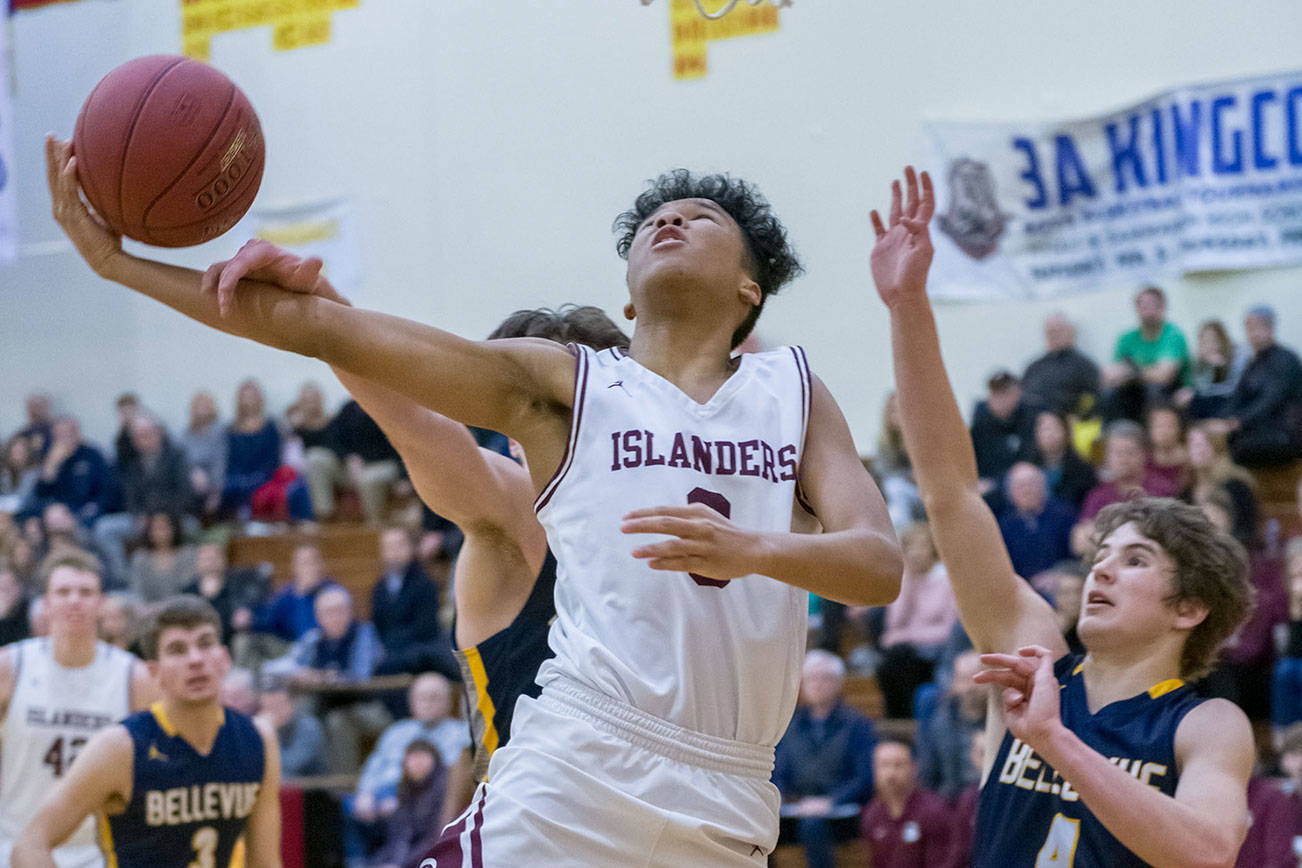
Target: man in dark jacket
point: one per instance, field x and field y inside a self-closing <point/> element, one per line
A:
<point x="1265" y="408"/>
<point x="1003" y="429"/>
<point x="823" y="764"/>
<point x="405" y="612"/>
<point x="1064" y="379"/>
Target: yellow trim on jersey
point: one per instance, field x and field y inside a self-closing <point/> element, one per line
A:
<point x="237" y="853"/>
<point x="163" y="720"/>
<point x="1079" y="667"/>
<point x="1164" y="687"/>
<point x="484" y="701"/>
<point x="106" y="841"/>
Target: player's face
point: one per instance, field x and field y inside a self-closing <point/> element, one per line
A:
<point x="191" y="664"/>
<point x="72" y="601"/>
<point x="690" y="243"/>
<point x="1124" y="601"/>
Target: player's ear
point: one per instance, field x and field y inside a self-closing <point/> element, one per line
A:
<point x="629" y="311"/>
<point x="1189" y="614"/>
<point x="749" y="291"/>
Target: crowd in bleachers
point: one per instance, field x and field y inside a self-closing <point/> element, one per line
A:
<point x="883" y="755"/>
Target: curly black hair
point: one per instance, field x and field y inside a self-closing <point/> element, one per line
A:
<point x="772" y="261"/>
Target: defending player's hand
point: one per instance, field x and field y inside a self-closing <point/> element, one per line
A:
<point x="705" y="543"/>
<point x="96" y="243"/>
<point x="264" y="261"/>
<point x="903" y="251"/>
<point x="1030" y="691"/>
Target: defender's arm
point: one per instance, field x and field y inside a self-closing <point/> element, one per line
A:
<point x="263" y="833"/>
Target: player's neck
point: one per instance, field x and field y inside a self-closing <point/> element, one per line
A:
<point x="73" y="650"/>
<point x="196" y="722"/>
<point x="694" y="357"/>
<point x="1121" y="673"/>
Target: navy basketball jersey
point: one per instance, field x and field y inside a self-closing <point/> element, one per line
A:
<point x="1028" y="815"/>
<point x="186" y="809"/>
<point x="503" y="667"/>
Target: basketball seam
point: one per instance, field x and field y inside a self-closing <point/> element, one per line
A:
<point x="144" y="215"/>
<point x="131" y="132"/>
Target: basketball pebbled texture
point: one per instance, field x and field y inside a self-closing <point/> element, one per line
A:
<point x="169" y="151"/>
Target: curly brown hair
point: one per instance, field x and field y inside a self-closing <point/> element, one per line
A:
<point x="1211" y="569"/>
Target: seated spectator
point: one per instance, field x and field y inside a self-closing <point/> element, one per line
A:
<point x="300" y="735"/>
<point x="204" y="444"/>
<point x="1243" y="670"/>
<point x="310" y="424"/>
<point x="1274" y="837"/>
<point x="359" y="457"/>
<point x="252" y="451"/>
<point x="918" y="623"/>
<point x="965" y="804"/>
<point x="119" y="620"/>
<point x="13" y="607"/>
<point x="291" y="612"/>
<point x="39" y="428"/>
<point x="19" y="472"/>
<point x="1036" y="528"/>
<point x="945" y="738"/>
<point x="894" y="472"/>
<point x="127" y="406"/>
<point x="1069" y="476"/>
<point x="234" y="594"/>
<point x="1168" y="457"/>
<point x="1265" y="409"/>
<point x="1062" y="586"/>
<point x="58" y="530"/>
<point x="339" y="650"/>
<point x="75" y="474"/>
<point x="414" y="828"/>
<point x="1002" y="429"/>
<point x="904" y="826"/>
<point x="164" y="564"/>
<point x="1217" y="365"/>
<point x="1211" y="468"/>
<point x="1286" y="681"/>
<point x="1125" y="474"/>
<point x="1149" y="362"/>
<point x="240" y="691"/>
<point x="405" y="611"/>
<point x="1063" y="380"/>
<point x="823" y="764"/>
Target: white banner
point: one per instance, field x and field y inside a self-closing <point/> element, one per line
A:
<point x="1202" y="177"/>
<point x="324" y="229"/>
<point x="8" y="198"/>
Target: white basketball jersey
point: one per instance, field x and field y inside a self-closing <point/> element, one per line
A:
<point x="53" y="713"/>
<point x="722" y="658"/>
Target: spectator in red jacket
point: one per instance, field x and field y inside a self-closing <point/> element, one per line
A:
<point x="904" y="826"/>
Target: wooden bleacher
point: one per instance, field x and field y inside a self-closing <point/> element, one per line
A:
<point x="1277" y="491"/>
<point x="351" y="553"/>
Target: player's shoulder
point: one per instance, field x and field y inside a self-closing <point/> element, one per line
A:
<point x="1212" y="720"/>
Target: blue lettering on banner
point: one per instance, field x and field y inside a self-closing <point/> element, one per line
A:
<point x="1073" y="179"/>
<point x="1292" y="100"/>
<point x="1220" y="165"/>
<point x="1186" y="138"/>
<point x="1032" y="173"/>
<point x="1126" y="154"/>
<point x="1260" y="158"/>
<point x="1159" y="147"/>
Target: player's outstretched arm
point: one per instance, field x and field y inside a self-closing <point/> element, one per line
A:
<point x="519" y="387"/>
<point x="1203" y="824"/>
<point x="856" y="560"/>
<point x="99" y="779"/>
<point x="263" y="833"/>
<point x="999" y="611"/>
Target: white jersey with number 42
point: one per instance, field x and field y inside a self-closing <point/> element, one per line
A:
<point x="722" y="658"/>
<point x="53" y="713"/>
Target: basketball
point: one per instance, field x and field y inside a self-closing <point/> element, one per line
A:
<point x="169" y="151"/>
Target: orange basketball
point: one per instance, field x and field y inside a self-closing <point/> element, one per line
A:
<point x="169" y="151"/>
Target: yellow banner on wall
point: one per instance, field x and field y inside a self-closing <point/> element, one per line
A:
<point x="695" y="23"/>
<point x="294" y="23"/>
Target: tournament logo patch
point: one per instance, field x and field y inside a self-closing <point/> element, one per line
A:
<point x="973" y="219"/>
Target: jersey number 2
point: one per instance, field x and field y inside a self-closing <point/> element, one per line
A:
<point x="717" y="502"/>
<point x="1059" y="850"/>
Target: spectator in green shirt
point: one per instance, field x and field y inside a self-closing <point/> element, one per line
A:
<point x="1149" y="362"/>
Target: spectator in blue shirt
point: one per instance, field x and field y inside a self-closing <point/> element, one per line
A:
<point x="75" y="474"/>
<point x="291" y="611"/>
<point x="252" y="450"/>
<point x="1036" y="527"/>
<point x="823" y="764"/>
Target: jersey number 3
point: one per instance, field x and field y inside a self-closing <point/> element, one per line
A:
<point x="717" y="502"/>
<point x="1059" y="850"/>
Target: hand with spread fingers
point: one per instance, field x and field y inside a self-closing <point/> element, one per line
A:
<point x="902" y="253"/>
<point x="705" y="542"/>
<point x="264" y="261"/>
<point x="1030" y="691"/>
<point x="94" y="240"/>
